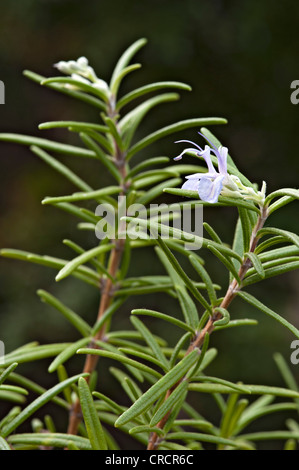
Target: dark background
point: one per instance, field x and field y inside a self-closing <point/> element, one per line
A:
<point x="240" y="59"/>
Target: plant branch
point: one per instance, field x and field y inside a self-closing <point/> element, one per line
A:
<point x="107" y="290"/>
<point x="231" y="293"/>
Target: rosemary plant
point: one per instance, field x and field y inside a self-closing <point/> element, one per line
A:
<point x="156" y="377"/>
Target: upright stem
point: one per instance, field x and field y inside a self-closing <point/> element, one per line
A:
<point x="115" y="258"/>
<point x="231" y="293"/>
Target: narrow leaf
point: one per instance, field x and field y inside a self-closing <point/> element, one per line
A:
<point x="158" y="389"/>
<point x="93" y="425"/>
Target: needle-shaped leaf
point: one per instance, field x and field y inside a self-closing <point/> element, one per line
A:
<point x="68" y="313"/>
<point x="290" y="236"/>
<point x="33" y="353"/>
<point x="180" y="392"/>
<point x="77" y="124"/>
<point x="206" y="279"/>
<point x="158" y="389"/>
<point x="149" y="89"/>
<point x="227" y="262"/>
<point x="291" y="192"/>
<point x="59" y="440"/>
<point x="82" y="259"/>
<point x="67" y="353"/>
<point x="38" y="403"/>
<point x="256" y="262"/>
<point x="163" y="316"/>
<point x="187" y="281"/>
<point x="125" y="59"/>
<point x="59" y="147"/>
<point x="260" y="306"/>
<point x="7" y="371"/>
<point x="150" y="340"/>
<point x="120" y="358"/>
<point x="93" y="425"/>
<point x="77" y="84"/>
<point x="61" y="168"/>
<point x="171" y="129"/>
<point x="100" y="154"/>
<point x="130" y="122"/>
<point x="83" y="196"/>
<point x="89" y="99"/>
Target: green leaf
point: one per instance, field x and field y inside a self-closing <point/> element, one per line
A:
<point x="83" y="273"/>
<point x="7" y="371"/>
<point x="82" y="259"/>
<point x="67" y="353"/>
<point x="120" y="358"/>
<point x="163" y="316"/>
<point x="59" y="440"/>
<point x="131" y="121"/>
<point x="47" y="144"/>
<point x="3" y="444"/>
<point x="178" y="394"/>
<point x="69" y="314"/>
<point x="222" y="201"/>
<point x="287" y="375"/>
<point x="227" y="262"/>
<point x="150" y="340"/>
<point x="31" y="354"/>
<point x="215" y="380"/>
<point x="145" y="164"/>
<point x="38" y="403"/>
<point x="158" y="389"/>
<point x="89" y="99"/>
<point x="149" y="89"/>
<point x="82" y="86"/>
<point x="157" y="191"/>
<point x="146" y="428"/>
<point x="252" y="389"/>
<point x="125" y="71"/>
<point x="270" y="242"/>
<point x="174" y="233"/>
<point x="269" y="435"/>
<point x="290" y="236"/>
<point x="291" y="192"/>
<point x="60" y="168"/>
<point x="93" y="425"/>
<point x="114" y="132"/>
<point x="187" y="281"/>
<point x="171" y="129"/>
<point x="76" y="124"/>
<point x="256" y="303"/>
<point x="144" y="356"/>
<point x="281" y="202"/>
<point x="107" y="315"/>
<point x="83" y="196"/>
<point x="100" y="154"/>
<point x="202" y="437"/>
<point x="246" y="228"/>
<point x="279" y="253"/>
<point x="125" y="59"/>
<point x="256" y="262"/>
<point x="206" y="279"/>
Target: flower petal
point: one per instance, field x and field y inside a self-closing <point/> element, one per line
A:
<point x="191" y="185"/>
<point x="206" y="155"/>
<point x="201" y="175"/>
<point x="222" y="160"/>
<point x="208" y="190"/>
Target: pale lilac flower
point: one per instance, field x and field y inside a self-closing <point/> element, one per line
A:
<point x="210" y="184"/>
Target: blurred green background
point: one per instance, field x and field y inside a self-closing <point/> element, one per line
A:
<point x="240" y="59"/>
